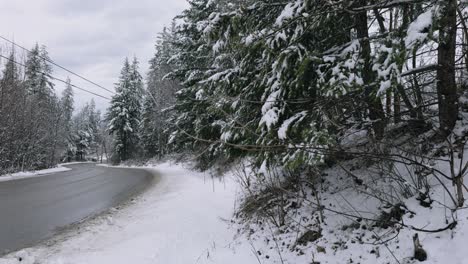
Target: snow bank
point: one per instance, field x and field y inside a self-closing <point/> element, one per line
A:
<point x="31" y="174"/>
<point x="183" y="218"/>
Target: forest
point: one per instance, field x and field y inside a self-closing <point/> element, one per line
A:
<point x="38" y="127"/>
<point x="303" y="98"/>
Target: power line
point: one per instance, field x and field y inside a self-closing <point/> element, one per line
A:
<point x="57" y="79"/>
<point x="57" y="65"/>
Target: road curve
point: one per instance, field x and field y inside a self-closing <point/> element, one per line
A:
<point x="34" y="209"/>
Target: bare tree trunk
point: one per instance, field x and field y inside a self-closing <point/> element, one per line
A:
<point x="376" y="111"/>
<point x="388" y="102"/>
<point x="417" y="89"/>
<point x="396" y="98"/>
<point x="466" y="51"/>
<point x="464" y="25"/>
<point x="446" y="84"/>
<point x="396" y="108"/>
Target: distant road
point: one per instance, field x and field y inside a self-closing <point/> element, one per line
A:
<point x="33" y="209"/>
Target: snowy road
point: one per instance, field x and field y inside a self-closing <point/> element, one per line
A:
<point x="183" y="217"/>
<point x="33" y="209"/>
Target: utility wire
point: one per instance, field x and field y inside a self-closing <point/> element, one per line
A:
<point x="57" y="65"/>
<point x="55" y="78"/>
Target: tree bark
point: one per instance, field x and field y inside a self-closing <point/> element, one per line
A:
<point x="376" y="111"/>
<point x="446" y="84"/>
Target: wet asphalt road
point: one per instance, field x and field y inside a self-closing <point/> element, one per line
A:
<point x="34" y="209"/>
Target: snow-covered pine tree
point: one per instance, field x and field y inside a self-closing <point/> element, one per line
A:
<point x="149" y="132"/>
<point x="94" y="120"/>
<point x="67" y="107"/>
<point x="124" y="113"/>
<point x="286" y="84"/>
<point x="194" y="117"/>
<point x="160" y="97"/>
<point x="13" y="106"/>
<point x="33" y="70"/>
<point x="67" y="103"/>
<point x="263" y="82"/>
<point x="86" y="133"/>
<point x="45" y="112"/>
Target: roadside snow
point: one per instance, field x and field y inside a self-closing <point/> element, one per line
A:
<point x="182" y="218"/>
<point x="31" y="174"/>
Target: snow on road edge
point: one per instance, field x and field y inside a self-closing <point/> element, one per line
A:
<point x="183" y="218"/>
<point x="32" y="174"/>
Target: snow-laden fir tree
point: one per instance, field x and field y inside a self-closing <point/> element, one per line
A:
<point x="67" y="102"/>
<point x="67" y="106"/>
<point x="279" y="81"/>
<point x="195" y="117"/>
<point x="124" y="112"/>
<point x="161" y="90"/>
<point x="12" y="117"/>
<point x="95" y="121"/>
<point x="38" y="71"/>
<point x="86" y="133"/>
<point x="46" y="112"/>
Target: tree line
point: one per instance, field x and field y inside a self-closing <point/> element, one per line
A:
<point x="39" y="128"/>
<point x="283" y="82"/>
<point x="287" y="83"/>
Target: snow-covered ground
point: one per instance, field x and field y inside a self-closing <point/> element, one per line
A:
<point x="30" y="174"/>
<point x="183" y="218"/>
<point x="344" y="240"/>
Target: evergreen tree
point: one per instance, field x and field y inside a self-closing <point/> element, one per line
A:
<point x="86" y="132"/>
<point x="278" y="81"/>
<point x="94" y="121"/>
<point x="149" y="128"/>
<point x="37" y="72"/>
<point x="67" y="107"/>
<point x="67" y="102"/>
<point x="192" y="63"/>
<point x="161" y="90"/>
<point x="46" y="108"/>
<point x="124" y="113"/>
<point x="13" y="121"/>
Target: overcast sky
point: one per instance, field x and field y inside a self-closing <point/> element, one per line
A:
<point x="90" y="37"/>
